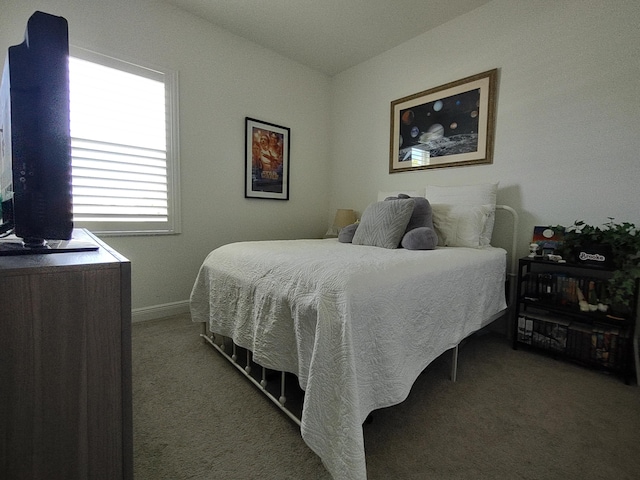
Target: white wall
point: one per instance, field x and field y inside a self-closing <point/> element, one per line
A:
<point x="223" y="79"/>
<point x="567" y="142"/>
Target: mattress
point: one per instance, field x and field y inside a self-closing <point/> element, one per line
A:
<point x="356" y="324"/>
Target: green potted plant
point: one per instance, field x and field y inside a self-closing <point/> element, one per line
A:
<point x="623" y="240"/>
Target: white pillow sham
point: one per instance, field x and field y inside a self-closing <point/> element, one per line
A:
<point x="460" y="225"/>
<point x="478" y="194"/>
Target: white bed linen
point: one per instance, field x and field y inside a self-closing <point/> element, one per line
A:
<point x="356" y="324"/>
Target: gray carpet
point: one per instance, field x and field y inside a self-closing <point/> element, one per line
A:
<point x="511" y="415"/>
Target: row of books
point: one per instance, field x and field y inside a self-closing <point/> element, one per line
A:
<point x="603" y="346"/>
<point x="562" y="289"/>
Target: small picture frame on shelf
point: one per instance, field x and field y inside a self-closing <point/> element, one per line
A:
<point x="548" y="240"/>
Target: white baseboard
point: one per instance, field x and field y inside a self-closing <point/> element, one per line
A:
<point x="159" y="311"/>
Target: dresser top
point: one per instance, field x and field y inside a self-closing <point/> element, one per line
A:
<point x="101" y="253"/>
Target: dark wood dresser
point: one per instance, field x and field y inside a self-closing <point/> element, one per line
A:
<point x="65" y="365"/>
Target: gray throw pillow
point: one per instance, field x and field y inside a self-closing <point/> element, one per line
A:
<point x="346" y="233"/>
<point x="383" y="223"/>
<point x="422" y="215"/>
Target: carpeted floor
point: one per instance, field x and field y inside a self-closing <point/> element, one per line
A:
<point x="511" y="415"/>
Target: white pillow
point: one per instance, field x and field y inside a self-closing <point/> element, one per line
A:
<point x="478" y="194"/>
<point x="460" y="225"/>
<point x="383" y="195"/>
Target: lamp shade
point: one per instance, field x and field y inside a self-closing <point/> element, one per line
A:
<point x="343" y="218"/>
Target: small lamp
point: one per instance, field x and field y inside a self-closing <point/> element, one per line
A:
<point x="343" y="218"/>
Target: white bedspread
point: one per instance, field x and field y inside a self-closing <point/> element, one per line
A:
<point x="356" y="324"/>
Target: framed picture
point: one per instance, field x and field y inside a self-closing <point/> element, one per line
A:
<point x="547" y="238"/>
<point x="446" y="126"/>
<point x="266" y="160"/>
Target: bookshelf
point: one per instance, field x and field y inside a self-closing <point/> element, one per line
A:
<point x="548" y="316"/>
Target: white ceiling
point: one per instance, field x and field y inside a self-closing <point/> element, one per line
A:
<point x="328" y="35"/>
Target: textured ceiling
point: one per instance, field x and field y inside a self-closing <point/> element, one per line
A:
<point x="328" y="35"/>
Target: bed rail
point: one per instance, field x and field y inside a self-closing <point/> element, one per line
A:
<point x="513" y="254"/>
<point x="511" y="277"/>
<point x="512" y="267"/>
<point x="247" y="371"/>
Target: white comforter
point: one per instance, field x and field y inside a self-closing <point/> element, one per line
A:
<point x="356" y="324"/>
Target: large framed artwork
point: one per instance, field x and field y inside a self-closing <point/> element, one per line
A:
<point x="446" y="126"/>
<point x="266" y="160"/>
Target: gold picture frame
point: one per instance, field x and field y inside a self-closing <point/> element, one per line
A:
<point x="447" y="126"/>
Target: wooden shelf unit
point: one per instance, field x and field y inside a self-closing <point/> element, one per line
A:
<point x="547" y="317"/>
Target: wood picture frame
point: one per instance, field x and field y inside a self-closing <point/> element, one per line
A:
<point x="446" y="126"/>
<point x="266" y="160"/>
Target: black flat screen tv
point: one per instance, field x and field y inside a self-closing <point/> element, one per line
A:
<point x="35" y="175"/>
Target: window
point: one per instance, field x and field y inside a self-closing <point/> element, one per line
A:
<point x="123" y="146"/>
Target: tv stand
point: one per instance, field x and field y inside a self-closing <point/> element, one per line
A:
<point x="12" y="245"/>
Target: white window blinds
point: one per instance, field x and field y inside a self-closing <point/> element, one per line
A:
<point x="123" y="136"/>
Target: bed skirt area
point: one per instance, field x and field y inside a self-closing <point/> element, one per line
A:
<point x="282" y="388"/>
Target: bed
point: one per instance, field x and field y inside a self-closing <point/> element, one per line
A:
<point x="355" y="324"/>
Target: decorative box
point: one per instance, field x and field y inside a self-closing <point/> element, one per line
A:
<point x="595" y="256"/>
